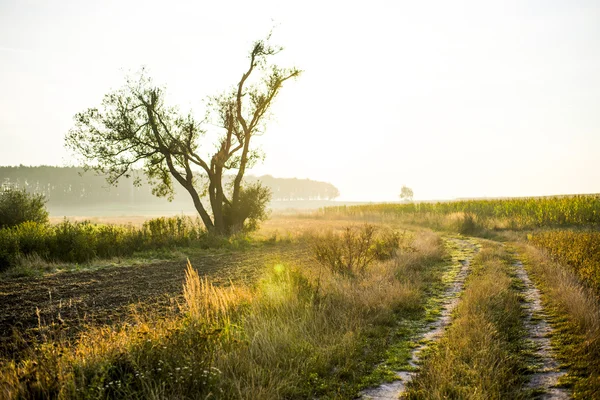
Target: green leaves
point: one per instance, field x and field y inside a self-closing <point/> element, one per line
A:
<point x="135" y="128"/>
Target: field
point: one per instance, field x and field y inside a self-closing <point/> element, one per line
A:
<point x="521" y="213"/>
<point x="491" y="299"/>
<point x="105" y="295"/>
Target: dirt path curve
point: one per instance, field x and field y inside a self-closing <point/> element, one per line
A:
<point x="539" y="331"/>
<point x="432" y="331"/>
<point x="105" y="296"/>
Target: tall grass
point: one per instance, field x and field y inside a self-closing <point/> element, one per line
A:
<point x="300" y="332"/>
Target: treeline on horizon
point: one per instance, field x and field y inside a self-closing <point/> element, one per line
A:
<point x="72" y="186"/>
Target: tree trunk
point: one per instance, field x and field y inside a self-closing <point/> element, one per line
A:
<point x="199" y="207"/>
<point x="217" y="204"/>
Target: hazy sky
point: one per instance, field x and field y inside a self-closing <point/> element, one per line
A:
<point x="452" y="98"/>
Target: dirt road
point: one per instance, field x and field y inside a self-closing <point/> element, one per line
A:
<point x="455" y="275"/>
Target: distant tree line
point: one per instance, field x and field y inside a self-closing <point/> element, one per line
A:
<point x="71" y="186"/>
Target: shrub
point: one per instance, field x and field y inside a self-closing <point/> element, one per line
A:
<point x="17" y="206"/>
<point x="387" y="244"/>
<point x="114" y="241"/>
<point x="468" y="224"/>
<point x="33" y="238"/>
<point x="250" y="210"/>
<point x="355" y="248"/>
<point x="174" y="231"/>
<point x="74" y="242"/>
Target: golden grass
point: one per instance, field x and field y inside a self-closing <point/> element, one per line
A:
<point x="208" y="303"/>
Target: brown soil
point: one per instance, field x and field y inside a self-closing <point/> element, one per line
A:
<point x="73" y="300"/>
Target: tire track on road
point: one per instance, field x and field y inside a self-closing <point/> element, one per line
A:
<point x="539" y="331"/>
<point x="432" y="330"/>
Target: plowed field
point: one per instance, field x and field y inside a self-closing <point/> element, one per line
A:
<point x="104" y="296"/>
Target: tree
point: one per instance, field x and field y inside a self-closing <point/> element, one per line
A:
<point x="406" y="193"/>
<point x="135" y="127"/>
<point x="17" y="206"/>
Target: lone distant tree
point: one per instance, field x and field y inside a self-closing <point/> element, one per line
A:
<point x="135" y="128"/>
<point x="406" y="193"/>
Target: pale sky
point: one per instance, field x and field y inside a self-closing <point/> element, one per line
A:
<point x="452" y="98"/>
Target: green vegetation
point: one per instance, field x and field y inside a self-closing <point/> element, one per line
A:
<point x="578" y="250"/>
<point x="437" y="278"/>
<point x="298" y="333"/>
<point x="470" y="215"/>
<point x="481" y="354"/>
<point x="18" y="206"/>
<point x="82" y="241"/>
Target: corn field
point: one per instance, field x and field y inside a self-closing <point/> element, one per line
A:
<point x="518" y="213"/>
<point x="579" y="250"/>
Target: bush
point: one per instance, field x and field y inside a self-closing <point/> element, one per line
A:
<point x="32" y="238"/>
<point x="112" y="241"/>
<point x="355" y="248"/>
<point x="17" y="206"/>
<point x="250" y="210"/>
<point x="74" y="242"/>
<point x="174" y="231"/>
<point x="468" y="224"/>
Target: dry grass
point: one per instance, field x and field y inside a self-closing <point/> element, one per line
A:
<point x="208" y="303"/>
<point x="353" y="250"/>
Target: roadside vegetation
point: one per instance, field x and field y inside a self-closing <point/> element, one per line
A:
<point x="558" y="238"/>
<point x="299" y="332"/>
